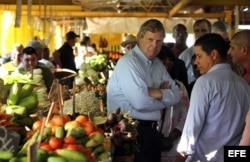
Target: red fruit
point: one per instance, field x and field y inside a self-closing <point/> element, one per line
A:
<point x="60" y="120"/>
<point x="89" y="127"/>
<point x="55" y="143"/>
<point x="65" y="145"/>
<point x="69" y="140"/>
<point x="46" y="147"/>
<point x="73" y="147"/>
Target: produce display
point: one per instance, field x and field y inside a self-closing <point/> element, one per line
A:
<point x="89" y="72"/>
<point x="63" y="139"/>
<point x="25" y="93"/>
<point x="68" y="137"/>
<point x="91" y="79"/>
<point x="20" y="101"/>
<point x="121" y="129"/>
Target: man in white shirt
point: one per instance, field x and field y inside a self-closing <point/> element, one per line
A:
<point x="200" y="27"/>
<point x="219" y="102"/>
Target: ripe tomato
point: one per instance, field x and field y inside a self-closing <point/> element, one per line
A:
<point x="73" y="147"/>
<point x="89" y="127"/>
<point x="55" y="143"/>
<point x="69" y="140"/>
<point x="46" y="147"/>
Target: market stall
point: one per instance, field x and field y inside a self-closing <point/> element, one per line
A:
<point x="64" y="122"/>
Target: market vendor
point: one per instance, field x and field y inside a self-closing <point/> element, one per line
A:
<point x="29" y="62"/>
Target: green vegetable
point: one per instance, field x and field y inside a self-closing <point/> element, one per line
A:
<point x="15" y="109"/>
<point x="71" y="155"/>
<point x="56" y="159"/>
<point x="59" y="132"/>
<point x="41" y="155"/>
<point x="6" y="155"/>
<point x="14" y="94"/>
<point x="26" y="90"/>
<point x="29" y="103"/>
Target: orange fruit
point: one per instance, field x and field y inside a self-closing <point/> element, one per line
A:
<point x="89" y="127"/>
<point x="81" y="119"/>
<point x="50" y="123"/>
<point x="37" y="125"/>
<point x="60" y="120"/>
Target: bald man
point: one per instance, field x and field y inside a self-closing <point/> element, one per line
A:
<point x="240" y="52"/>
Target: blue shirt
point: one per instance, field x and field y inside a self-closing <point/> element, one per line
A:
<point x="186" y="56"/>
<point x="128" y="86"/>
<point x="218" y="106"/>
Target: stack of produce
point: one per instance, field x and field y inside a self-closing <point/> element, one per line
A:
<point x="24" y="94"/>
<point x="91" y="80"/>
<point x="30" y="82"/>
<point x="66" y="140"/>
<point x="21" y="100"/>
<point x="122" y="131"/>
<point x="90" y="72"/>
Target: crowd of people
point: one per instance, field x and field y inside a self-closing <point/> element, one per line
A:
<point x="64" y="57"/>
<point x="197" y="97"/>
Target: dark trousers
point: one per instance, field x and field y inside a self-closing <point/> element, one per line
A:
<point x="148" y="141"/>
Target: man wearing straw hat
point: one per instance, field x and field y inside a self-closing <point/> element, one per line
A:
<point x="129" y="42"/>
